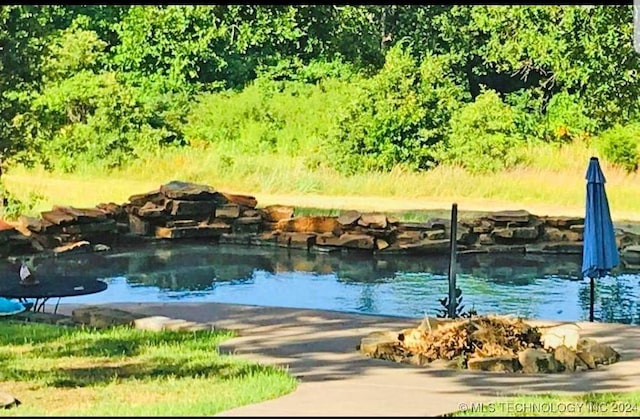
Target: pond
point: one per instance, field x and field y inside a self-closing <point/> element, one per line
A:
<point x="533" y="286"/>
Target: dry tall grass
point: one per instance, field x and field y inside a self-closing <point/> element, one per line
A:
<point x="552" y="183"/>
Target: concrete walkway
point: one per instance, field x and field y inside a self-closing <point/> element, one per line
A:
<point x="318" y="347"/>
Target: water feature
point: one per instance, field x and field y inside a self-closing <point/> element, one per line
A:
<point x="534" y="286"/>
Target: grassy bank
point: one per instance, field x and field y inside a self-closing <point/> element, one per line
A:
<point x="552" y="185"/>
<point x="126" y="372"/>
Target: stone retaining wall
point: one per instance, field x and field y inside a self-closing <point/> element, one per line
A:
<point x="179" y="210"/>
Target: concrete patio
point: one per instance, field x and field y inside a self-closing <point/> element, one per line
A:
<point x="318" y="347"/>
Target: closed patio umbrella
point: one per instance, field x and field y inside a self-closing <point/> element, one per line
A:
<point x="600" y="251"/>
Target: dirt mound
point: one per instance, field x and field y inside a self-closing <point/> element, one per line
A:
<point x="480" y="337"/>
<point x="490" y="343"/>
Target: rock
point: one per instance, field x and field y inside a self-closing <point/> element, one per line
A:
<point x="251" y="213"/>
<point x="438" y="223"/>
<point x="418" y="360"/>
<point x="485" y="239"/>
<point x="82" y="215"/>
<point x="206" y="230"/>
<point x="275" y="213"/>
<point x="410" y="236"/>
<point x="529" y="233"/>
<point x="79" y="246"/>
<point x="553" y="234"/>
<point x="140" y="199"/>
<point x="381" y="244"/>
<point x="426" y="246"/>
<point x="181" y="208"/>
<point x="354" y="241"/>
<point x="369" y="344"/>
<point x="57" y="217"/>
<point x="457" y="363"/>
<point x="521" y="216"/>
<point x="496" y="364"/>
<point x="151" y="210"/>
<point x="182" y="223"/>
<point x="101" y="247"/>
<point x="563" y="222"/>
<point x="7" y="401"/>
<point x="242" y="200"/>
<point x="484" y="227"/>
<point x="349" y="218"/>
<point x="138" y="226"/>
<point x="578" y="228"/>
<point x="248" y="220"/>
<point x="319" y="224"/>
<point x="601" y="354"/>
<point x="269" y="238"/>
<point x="416" y="226"/>
<point x="566" y="334"/>
<point x="110" y="209"/>
<point x="436" y="235"/>
<point x="297" y="240"/>
<point x="227" y="211"/>
<point x="191" y="192"/>
<point x="631" y="254"/>
<point x="373" y="220"/>
<point x="466" y="238"/>
<point x="537" y="360"/>
<point x="30" y="223"/>
<point x="247" y="225"/>
<point x="99" y="227"/>
<point x="587" y="359"/>
<point x="392" y="220"/>
<point x="566" y="357"/>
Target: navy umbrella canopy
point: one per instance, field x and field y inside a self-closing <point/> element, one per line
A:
<point x="600" y="250"/>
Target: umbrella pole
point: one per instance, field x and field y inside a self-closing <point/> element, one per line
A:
<point x="591" y="298"/>
<point x="452" y="261"/>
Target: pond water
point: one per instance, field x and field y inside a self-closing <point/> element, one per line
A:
<point x="534" y="286"/>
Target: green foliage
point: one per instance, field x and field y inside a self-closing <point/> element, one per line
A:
<point x="289" y="117"/>
<point x="483" y="136"/>
<point x="398" y="116"/>
<point x="89" y="106"/>
<point x="106" y="84"/>
<point x="566" y="119"/>
<point x="73" y="51"/>
<point x="13" y="207"/>
<point x="621" y="145"/>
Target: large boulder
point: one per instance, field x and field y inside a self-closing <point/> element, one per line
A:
<point x="494" y="363"/>
<point x="566" y="334"/>
<point x="535" y="361"/>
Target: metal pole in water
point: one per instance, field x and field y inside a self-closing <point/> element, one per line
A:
<point x="453" y="261"/>
<point x="591" y="297"/>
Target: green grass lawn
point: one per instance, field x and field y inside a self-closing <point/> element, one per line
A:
<point x="592" y="404"/>
<point x="62" y="371"/>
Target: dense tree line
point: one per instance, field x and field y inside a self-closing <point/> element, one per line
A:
<point x="426" y="84"/>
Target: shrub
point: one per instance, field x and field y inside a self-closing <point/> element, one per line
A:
<point x="566" y="119"/>
<point x="397" y="117"/>
<point x="483" y="135"/>
<point x="619" y="145"/>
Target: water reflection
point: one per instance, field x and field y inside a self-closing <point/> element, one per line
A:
<point x="540" y="286"/>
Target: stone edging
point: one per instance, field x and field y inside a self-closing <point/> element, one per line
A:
<point x="180" y="210"/>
